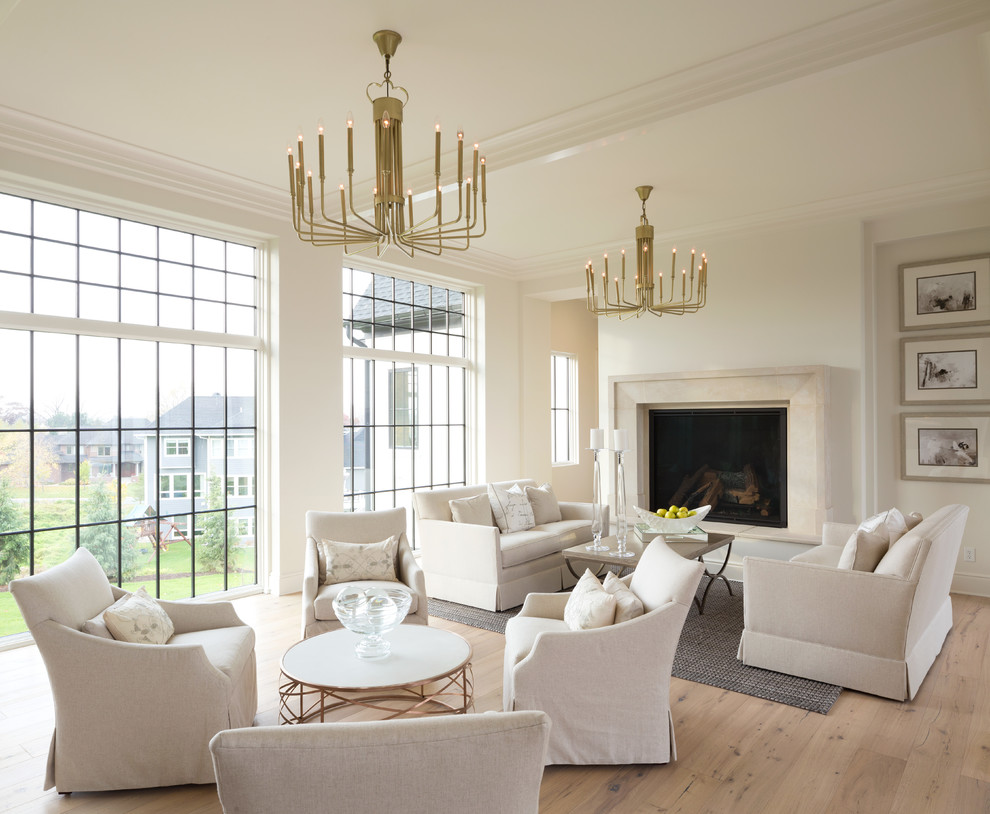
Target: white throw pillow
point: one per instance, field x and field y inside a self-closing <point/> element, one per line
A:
<point x="138" y="619"/>
<point x="511" y="508"/>
<point x="589" y="606"/>
<point x="358" y="561"/>
<point x="889" y="524"/>
<point x="627" y="604"/>
<point x="97" y="626"/>
<point x="544" y="503"/>
<point x="863" y="551"/>
<point x="476" y="510"/>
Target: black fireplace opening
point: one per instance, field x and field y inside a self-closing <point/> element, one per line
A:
<point x="734" y="460"/>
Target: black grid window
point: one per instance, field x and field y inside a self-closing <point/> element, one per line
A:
<point x="405" y="392"/>
<point x="117" y="443"/>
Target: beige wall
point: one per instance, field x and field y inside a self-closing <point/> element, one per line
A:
<point x="573" y="329"/>
<point x="944" y="232"/>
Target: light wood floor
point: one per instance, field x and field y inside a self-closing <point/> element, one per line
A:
<point x="736" y="753"/>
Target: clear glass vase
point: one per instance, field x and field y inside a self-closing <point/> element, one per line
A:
<point x="621" y="524"/>
<point x="596" y="508"/>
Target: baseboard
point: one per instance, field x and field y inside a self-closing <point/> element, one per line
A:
<point x="971" y="584"/>
<point x="282" y="584"/>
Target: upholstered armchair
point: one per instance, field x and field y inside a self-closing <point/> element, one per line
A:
<point x="356" y="527"/>
<point x="876" y="631"/>
<point x="135" y="715"/>
<point x="606" y="690"/>
<point x="449" y="764"/>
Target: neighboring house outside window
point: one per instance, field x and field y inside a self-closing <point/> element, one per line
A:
<point x="563" y="408"/>
<point x="405" y="390"/>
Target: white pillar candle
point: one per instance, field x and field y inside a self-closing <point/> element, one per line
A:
<point x="620" y="439"/>
<point x="597" y="439"/>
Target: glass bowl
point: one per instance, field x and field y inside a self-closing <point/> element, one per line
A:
<point x="671" y="525"/>
<point x="371" y="612"/>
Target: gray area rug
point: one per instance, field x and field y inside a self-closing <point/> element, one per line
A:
<point x="706" y="652"/>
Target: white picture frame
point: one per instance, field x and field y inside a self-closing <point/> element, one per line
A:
<point x="945" y="369"/>
<point x="948" y="447"/>
<point x="945" y="293"/>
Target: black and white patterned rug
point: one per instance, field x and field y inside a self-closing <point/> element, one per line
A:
<point x="706" y="652"/>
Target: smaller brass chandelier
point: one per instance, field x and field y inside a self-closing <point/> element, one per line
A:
<point x="392" y="222"/>
<point x="649" y="298"/>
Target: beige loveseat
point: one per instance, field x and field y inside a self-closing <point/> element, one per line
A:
<point x="480" y="566"/>
<point x="874" y="631"/>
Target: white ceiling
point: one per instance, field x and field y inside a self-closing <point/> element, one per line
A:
<point x="739" y="114"/>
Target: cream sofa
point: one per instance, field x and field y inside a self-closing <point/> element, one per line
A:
<point x="478" y="565"/>
<point x="877" y="632"/>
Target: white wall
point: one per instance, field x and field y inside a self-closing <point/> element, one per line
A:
<point x="937" y="233"/>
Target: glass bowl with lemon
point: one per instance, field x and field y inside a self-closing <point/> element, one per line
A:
<point x="673" y="519"/>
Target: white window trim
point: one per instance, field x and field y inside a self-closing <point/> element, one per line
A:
<point x="572" y="410"/>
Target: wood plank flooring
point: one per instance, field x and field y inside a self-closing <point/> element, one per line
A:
<point x="735" y="753"/>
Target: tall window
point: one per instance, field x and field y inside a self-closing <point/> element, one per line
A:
<point x="404" y="389"/>
<point x="106" y="433"/>
<point x="563" y="408"/>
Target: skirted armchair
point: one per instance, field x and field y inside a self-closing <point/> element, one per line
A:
<point x="606" y="690"/>
<point x="134" y="715"/>
<point x="318" y="615"/>
<point x="447" y="764"/>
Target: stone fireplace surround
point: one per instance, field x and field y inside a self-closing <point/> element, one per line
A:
<point x="804" y="391"/>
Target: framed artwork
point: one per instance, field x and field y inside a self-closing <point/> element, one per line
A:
<point x="945" y="369"/>
<point x="946" y="447"/>
<point x="945" y="293"/>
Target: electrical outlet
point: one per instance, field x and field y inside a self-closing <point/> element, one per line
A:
<point x="969" y="554"/>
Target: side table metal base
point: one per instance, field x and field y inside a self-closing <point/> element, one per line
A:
<point x="712" y="577"/>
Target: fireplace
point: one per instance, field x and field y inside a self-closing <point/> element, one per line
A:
<point x="733" y="459"/>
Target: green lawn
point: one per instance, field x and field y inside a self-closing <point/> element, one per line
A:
<point x="176" y="582"/>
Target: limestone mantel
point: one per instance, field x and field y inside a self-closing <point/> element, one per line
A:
<point x="804" y="391"/>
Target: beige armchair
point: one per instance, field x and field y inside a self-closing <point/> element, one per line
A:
<point x="450" y="764"/>
<point x="873" y="631"/>
<point x="135" y="715"/>
<point x="607" y="690"/>
<point x="356" y="527"/>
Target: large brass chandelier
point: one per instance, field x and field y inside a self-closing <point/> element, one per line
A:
<point x="649" y="297"/>
<point x="392" y="221"/>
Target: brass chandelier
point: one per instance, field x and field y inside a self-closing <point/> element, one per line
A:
<point x="649" y="298"/>
<point x="393" y="221"/>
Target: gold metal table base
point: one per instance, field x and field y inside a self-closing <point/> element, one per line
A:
<point x="453" y="693"/>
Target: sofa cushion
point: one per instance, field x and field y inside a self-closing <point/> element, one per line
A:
<point x="475" y="510"/>
<point x="901" y="557"/>
<point x="346" y="562"/>
<point x="227" y="648"/>
<point x="544" y="503"/>
<point x="863" y="551"/>
<point x="525" y="546"/>
<point x="323" y="604"/>
<point x="627" y="604"/>
<point x="889" y="524"/>
<point x="821" y="555"/>
<point x="511" y="508"/>
<point x="589" y="606"/>
<point x="138" y="619"/>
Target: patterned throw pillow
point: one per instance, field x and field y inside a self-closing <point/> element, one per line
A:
<point x="627" y="604"/>
<point x="138" y="619"/>
<point x="97" y="626"/>
<point x="589" y="606"/>
<point x="544" y="503"/>
<point x="357" y="561"/>
<point x="511" y="508"/>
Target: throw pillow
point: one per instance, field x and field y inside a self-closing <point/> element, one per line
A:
<point x="589" y="606"/>
<point x="358" y="561"/>
<point x="862" y="551"/>
<point x="544" y="503"/>
<point x="889" y="524"/>
<point x="139" y="618"/>
<point x="97" y="626"/>
<point x="627" y="604"/>
<point x="475" y="510"/>
<point x="511" y="508"/>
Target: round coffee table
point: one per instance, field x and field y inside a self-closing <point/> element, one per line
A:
<point x="427" y="673"/>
